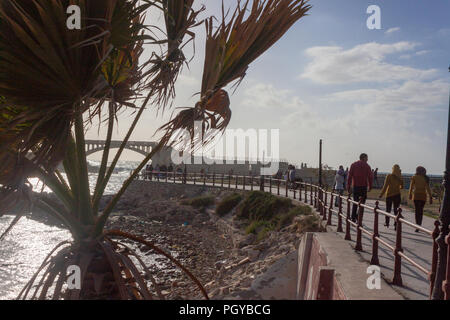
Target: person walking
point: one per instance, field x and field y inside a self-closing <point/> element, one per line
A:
<point x="345" y="178"/>
<point x="392" y="185"/>
<point x="361" y="179"/>
<point x="418" y="190"/>
<point x="150" y="172"/>
<point x="339" y="181"/>
<point x="292" y="177"/>
<point x="375" y="178"/>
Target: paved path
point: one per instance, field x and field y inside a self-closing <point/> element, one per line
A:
<point x="417" y="246"/>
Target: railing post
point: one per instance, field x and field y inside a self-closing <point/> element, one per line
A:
<point x="204" y="179"/>
<point x="214" y="178"/>
<point x="223" y="175"/>
<point x="324" y="206"/>
<point x="397" y="280"/>
<point x="347" y="221"/>
<point x="311" y="196"/>
<point x="229" y="181"/>
<point x="167" y="176"/>
<point x="286" y="188"/>
<point x="251" y="182"/>
<point x="300" y="192"/>
<point x="194" y="177"/>
<point x="332" y="197"/>
<point x="236" y="186"/>
<point x="278" y="187"/>
<point x="330" y="212"/>
<point x="316" y="200"/>
<point x="244" y="182"/>
<point x="434" y="256"/>
<point x="295" y="193"/>
<point x="339" y="227"/>
<point x="174" y="177"/>
<point x="358" y="246"/>
<point x="375" y="261"/>
<point x="270" y="184"/>
<point x="446" y="282"/>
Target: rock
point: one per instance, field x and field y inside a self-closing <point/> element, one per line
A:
<point x="224" y="291"/>
<point x="252" y="254"/>
<point x="248" y="240"/>
<point x="215" y="292"/>
<point x="219" y="265"/>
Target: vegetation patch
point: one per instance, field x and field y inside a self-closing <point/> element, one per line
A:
<point x="259" y="205"/>
<point x="264" y="213"/>
<point x="228" y="203"/>
<point x="200" y="202"/>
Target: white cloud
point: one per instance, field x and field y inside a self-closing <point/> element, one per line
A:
<point x="388" y="123"/>
<point x="422" y="52"/>
<point x="392" y="30"/>
<point x="266" y="96"/>
<point x="362" y="63"/>
<point x="412" y="97"/>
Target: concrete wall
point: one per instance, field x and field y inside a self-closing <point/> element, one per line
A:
<point x="329" y="269"/>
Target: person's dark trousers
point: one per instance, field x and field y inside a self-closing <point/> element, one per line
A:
<point x="393" y="200"/>
<point x="359" y="193"/>
<point x="419" y="205"/>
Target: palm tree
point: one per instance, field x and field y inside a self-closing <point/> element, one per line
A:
<point x="54" y="81"/>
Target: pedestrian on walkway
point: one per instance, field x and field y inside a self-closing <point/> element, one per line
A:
<point x="292" y="176"/>
<point x="392" y="185"/>
<point x="361" y="179"/>
<point x="150" y="172"/>
<point x="345" y="178"/>
<point x="339" y="181"/>
<point x="418" y="190"/>
<point x="375" y="178"/>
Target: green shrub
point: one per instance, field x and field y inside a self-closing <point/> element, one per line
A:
<point x="284" y="219"/>
<point x="257" y="226"/>
<point x="262" y="234"/>
<point x="311" y="223"/>
<point x="199" y="202"/>
<point x="228" y="203"/>
<point x="263" y="213"/>
<point x="262" y="206"/>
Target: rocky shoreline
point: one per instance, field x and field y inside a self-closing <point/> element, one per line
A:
<point x="229" y="263"/>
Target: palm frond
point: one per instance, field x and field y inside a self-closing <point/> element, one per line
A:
<point x="230" y="49"/>
<point x="180" y="18"/>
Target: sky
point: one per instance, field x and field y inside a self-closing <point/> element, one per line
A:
<point x="383" y="92"/>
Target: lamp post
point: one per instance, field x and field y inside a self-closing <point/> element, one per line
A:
<point x="444" y="217"/>
<point x="320" y="163"/>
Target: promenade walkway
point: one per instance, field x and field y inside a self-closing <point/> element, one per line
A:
<point x="417" y="246"/>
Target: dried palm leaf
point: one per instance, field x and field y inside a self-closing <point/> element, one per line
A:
<point x="50" y="74"/>
<point x="179" y="18"/>
<point x="230" y="49"/>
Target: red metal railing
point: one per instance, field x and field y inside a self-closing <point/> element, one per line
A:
<point x="322" y="201"/>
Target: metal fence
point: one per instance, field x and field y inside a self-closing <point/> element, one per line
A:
<point x="322" y="200"/>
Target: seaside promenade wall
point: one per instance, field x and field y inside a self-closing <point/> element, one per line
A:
<point x="324" y="267"/>
<point x="329" y="269"/>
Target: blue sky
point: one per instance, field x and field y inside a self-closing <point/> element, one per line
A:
<point x="384" y="92"/>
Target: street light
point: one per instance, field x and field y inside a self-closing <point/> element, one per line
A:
<point x="444" y="217"/>
<point x="320" y="163"/>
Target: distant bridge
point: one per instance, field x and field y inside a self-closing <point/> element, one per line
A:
<point x="142" y="147"/>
